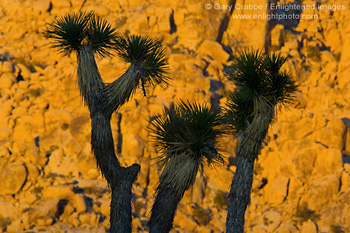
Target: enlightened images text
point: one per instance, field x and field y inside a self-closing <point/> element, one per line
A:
<point x="288" y="7"/>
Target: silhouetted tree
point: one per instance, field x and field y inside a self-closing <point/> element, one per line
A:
<point x="89" y="35"/>
<point x="186" y="135"/>
<point x="260" y="87"/>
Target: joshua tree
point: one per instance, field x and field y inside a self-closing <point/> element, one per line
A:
<point x="260" y="87"/>
<point x="88" y="35"/>
<point x="186" y="136"/>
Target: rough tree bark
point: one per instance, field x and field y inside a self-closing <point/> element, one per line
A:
<point x="166" y="202"/>
<point x="239" y="195"/>
<point x="98" y="98"/>
<point x="249" y="146"/>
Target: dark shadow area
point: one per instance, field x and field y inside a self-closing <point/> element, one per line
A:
<point x="173" y="27"/>
<point x="4" y="56"/>
<point x="37" y="141"/>
<point x="225" y="21"/>
<point x="346" y="159"/>
<point x="232" y="161"/>
<point x="286" y="11"/>
<point x="60" y="207"/>
<point x="19" y="76"/>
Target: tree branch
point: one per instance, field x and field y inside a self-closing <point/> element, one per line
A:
<point x="120" y="91"/>
<point x="89" y="79"/>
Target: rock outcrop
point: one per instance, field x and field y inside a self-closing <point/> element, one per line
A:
<point x="49" y="180"/>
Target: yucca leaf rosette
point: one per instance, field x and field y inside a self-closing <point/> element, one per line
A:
<point x="148" y="67"/>
<point x="186" y="136"/>
<point x="68" y="32"/>
<point x="72" y="31"/>
<point x="101" y="36"/>
<point x="260" y="87"/>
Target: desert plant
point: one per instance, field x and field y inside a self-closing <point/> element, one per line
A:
<point x="88" y="36"/>
<point x="260" y="87"/>
<point x="186" y="136"/>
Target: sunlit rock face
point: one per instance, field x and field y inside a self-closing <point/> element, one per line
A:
<point x="48" y="175"/>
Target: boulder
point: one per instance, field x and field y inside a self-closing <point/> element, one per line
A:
<point x="41" y="6"/>
<point x="214" y="50"/>
<point x="321" y="191"/>
<point x="276" y="35"/>
<point x="91" y="218"/>
<point x="133" y="145"/>
<point x="300" y="158"/>
<point x="331" y="135"/>
<point x="44" y="211"/>
<point x="286" y="228"/>
<point x="245" y="32"/>
<point x="345" y="178"/>
<point x="6" y="80"/>
<point x="5" y="132"/>
<point x="272" y="219"/>
<point x="184" y="221"/>
<point x="57" y="119"/>
<point x="12" y="177"/>
<point x="7" y="67"/>
<point x="59" y="191"/>
<point x="328" y="161"/>
<point x="309" y="227"/>
<point x="8" y="210"/>
<point x="80" y="203"/>
<point x="276" y="190"/>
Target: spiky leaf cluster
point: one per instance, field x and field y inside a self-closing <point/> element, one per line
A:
<point x="101" y="36"/>
<point x="147" y="54"/>
<point x="186" y="135"/>
<point x="72" y="31"/>
<point x="68" y="31"/>
<point x="260" y="86"/>
<point x="280" y="81"/>
<point x="187" y="128"/>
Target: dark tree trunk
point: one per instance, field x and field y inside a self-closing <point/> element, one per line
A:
<point x="239" y="195"/>
<point x="249" y="146"/>
<point x="121" y="211"/>
<point x="164" y="208"/>
<point x="101" y="107"/>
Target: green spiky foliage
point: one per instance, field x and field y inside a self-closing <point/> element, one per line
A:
<point x="147" y="55"/>
<point x="101" y="36"/>
<point x="186" y="136"/>
<point x="68" y="32"/>
<point x="148" y="68"/>
<point x="281" y="83"/>
<point x="72" y="31"/>
<point x="260" y="86"/>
